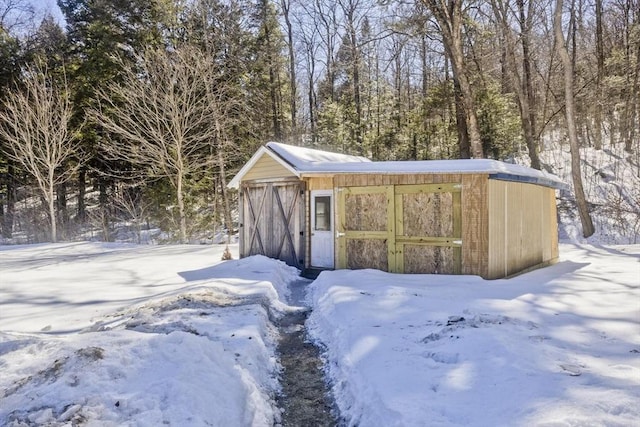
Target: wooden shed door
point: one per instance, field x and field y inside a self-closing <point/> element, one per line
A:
<point x="413" y="228"/>
<point x="273" y="221"/>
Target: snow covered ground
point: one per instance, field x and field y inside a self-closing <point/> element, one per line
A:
<point x="125" y="335"/>
<point x="118" y="334"/>
<point x="557" y="346"/>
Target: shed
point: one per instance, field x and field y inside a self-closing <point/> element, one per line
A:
<point x="320" y="210"/>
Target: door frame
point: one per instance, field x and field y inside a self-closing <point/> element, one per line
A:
<point x="312" y="218"/>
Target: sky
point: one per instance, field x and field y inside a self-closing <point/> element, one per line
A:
<point x="50" y="6"/>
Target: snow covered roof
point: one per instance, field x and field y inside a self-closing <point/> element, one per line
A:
<point x="306" y="161"/>
<point x="303" y="158"/>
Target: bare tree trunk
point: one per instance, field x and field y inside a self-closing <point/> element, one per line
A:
<point x="533" y="144"/>
<point x="286" y="6"/>
<point x="425" y="88"/>
<point x="633" y="134"/>
<point x="461" y="122"/>
<point x="275" y="111"/>
<point x="576" y="174"/>
<point x="181" y="209"/>
<point x="82" y="210"/>
<point x="51" y="204"/>
<point x="349" y="9"/>
<point x="225" y="196"/>
<point x="61" y="208"/>
<point x="312" y="104"/>
<point x="520" y="85"/>
<point x="310" y="43"/>
<point x="105" y="216"/>
<point x="450" y="19"/>
<point x="631" y="102"/>
<point x="274" y="90"/>
<point x="9" y="211"/>
<point x="597" y="116"/>
<point x="327" y="15"/>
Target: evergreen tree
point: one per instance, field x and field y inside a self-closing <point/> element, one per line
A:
<point x="99" y="32"/>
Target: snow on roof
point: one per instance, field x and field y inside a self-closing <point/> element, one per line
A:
<point x="494" y="168"/>
<point x="303" y="158"/>
<point x="308" y="161"/>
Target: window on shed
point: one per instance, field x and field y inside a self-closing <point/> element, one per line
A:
<point x="323" y="213"/>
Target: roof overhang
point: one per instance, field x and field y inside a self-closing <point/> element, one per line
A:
<point x="544" y="181"/>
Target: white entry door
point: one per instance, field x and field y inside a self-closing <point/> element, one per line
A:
<point x="322" y="228"/>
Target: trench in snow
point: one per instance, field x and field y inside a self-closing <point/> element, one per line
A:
<point x="305" y="398"/>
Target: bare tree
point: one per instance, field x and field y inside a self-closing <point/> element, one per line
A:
<point x="597" y="114"/>
<point x="164" y="118"/>
<point x="16" y="15"/>
<point x="286" y="8"/>
<point x="450" y="16"/>
<point x="521" y="82"/>
<point x="34" y="123"/>
<point x="309" y="41"/>
<point x="131" y="206"/>
<point x="569" y="109"/>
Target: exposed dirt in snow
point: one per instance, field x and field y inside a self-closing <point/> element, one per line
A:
<point x="305" y="398"/>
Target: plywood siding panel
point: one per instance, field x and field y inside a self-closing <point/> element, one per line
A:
<point x="475" y="239"/>
<point x="429" y="259"/>
<point x="428" y="214"/>
<point x="368" y="253"/>
<point x="366" y="212"/>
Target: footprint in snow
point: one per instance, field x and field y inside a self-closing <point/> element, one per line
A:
<point x="573" y="370"/>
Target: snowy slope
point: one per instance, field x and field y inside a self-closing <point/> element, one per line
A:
<point x="124" y="335"/>
<point x="611" y="180"/>
<point x="557" y="346"/>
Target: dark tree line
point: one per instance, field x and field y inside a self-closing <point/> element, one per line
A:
<point x="168" y="98"/>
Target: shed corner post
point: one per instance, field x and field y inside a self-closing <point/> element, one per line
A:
<point x="341" y="241"/>
<point x="304" y="231"/>
<point x="241" y="227"/>
<point x="399" y="232"/>
<point x="391" y="228"/>
<point x="475" y="232"/>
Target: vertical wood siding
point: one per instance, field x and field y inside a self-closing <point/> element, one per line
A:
<point x="523" y="228"/>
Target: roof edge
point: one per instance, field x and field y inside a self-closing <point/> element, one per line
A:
<point x="235" y="182"/>
<point x="545" y="182"/>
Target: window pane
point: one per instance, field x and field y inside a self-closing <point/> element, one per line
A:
<point x="323" y="213"/>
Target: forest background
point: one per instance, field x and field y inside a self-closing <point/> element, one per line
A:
<point x="136" y="112"/>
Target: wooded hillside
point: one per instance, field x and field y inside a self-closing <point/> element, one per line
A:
<point x="139" y="111"/>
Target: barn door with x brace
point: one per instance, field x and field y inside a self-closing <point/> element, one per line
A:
<point x="273" y="221"/>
